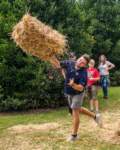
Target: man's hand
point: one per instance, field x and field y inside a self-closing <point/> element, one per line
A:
<point x="71" y="82"/>
<point x="75" y="86"/>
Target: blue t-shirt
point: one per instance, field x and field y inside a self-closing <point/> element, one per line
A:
<point x="79" y="76"/>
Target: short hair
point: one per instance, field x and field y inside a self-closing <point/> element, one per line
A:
<point x="86" y="57"/>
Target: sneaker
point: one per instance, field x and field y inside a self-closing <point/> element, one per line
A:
<point x="72" y="138"/>
<point x="98" y="120"/>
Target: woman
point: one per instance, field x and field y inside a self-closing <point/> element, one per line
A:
<point x="104" y="68"/>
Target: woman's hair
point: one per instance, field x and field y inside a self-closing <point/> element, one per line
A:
<point x="105" y="59"/>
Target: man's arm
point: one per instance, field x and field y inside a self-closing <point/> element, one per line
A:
<point x="78" y="87"/>
<point x="60" y="65"/>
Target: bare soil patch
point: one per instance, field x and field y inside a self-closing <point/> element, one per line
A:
<point x="33" y="127"/>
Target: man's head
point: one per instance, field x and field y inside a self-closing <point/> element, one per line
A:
<point x="91" y="63"/>
<point x="83" y="61"/>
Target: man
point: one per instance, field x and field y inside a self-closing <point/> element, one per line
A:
<point x="75" y="83"/>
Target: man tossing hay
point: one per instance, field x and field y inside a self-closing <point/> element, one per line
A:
<point x="75" y="83"/>
<point x="42" y="41"/>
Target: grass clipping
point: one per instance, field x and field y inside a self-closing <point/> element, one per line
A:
<point x="38" y="39"/>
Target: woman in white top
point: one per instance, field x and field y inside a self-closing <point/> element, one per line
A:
<point x="104" y="68"/>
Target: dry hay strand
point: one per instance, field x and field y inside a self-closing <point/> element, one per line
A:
<point x="110" y="132"/>
<point x="38" y="39"/>
<point x="118" y="133"/>
<point x="33" y="127"/>
<point x="16" y="142"/>
<point x="118" y="130"/>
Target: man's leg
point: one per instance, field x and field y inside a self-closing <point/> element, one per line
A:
<point x="76" y="102"/>
<point x="75" y="124"/>
<point x="85" y="111"/>
<point x="75" y="117"/>
<point x="96" y="117"/>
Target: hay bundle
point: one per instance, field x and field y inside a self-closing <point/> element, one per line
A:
<point x="38" y="39"/>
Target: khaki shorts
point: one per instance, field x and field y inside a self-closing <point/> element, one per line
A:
<point x="92" y="92"/>
<point x="75" y="101"/>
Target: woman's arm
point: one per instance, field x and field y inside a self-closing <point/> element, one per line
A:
<point x="110" y="65"/>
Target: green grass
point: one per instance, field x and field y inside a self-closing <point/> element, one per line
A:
<point x="114" y="99"/>
<point x="55" y="139"/>
<point x="8" y="120"/>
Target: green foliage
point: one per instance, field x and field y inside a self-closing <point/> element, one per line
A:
<point x="11" y="103"/>
<point x="115" y="78"/>
<point x="103" y="18"/>
<point x="91" y="27"/>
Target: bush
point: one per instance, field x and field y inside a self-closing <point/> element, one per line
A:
<point x="115" y="78"/>
<point x="12" y="104"/>
<point x="32" y="86"/>
<point x="46" y="89"/>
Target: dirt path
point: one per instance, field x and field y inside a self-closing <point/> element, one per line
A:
<point x="33" y="128"/>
